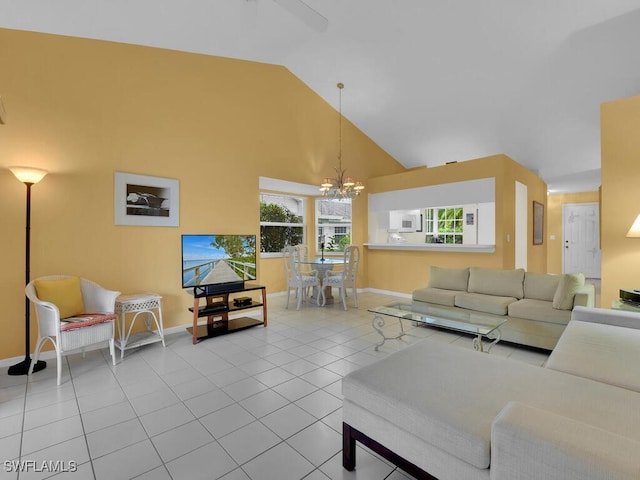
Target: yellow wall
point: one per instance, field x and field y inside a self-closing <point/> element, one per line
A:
<point x="620" y="124"/>
<point x="83" y="109"/>
<point x="404" y="271"/>
<point x="554" y="222"/>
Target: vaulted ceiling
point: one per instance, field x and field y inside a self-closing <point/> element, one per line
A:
<point x="430" y="81"/>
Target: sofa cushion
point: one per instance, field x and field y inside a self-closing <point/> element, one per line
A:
<point x="437" y="296"/>
<point x="85" y="320"/>
<point x="540" y="286"/>
<point x="527" y="439"/>
<point x="484" y="303"/>
<point x="502" y="283"/>
<point x="605" y="353"/>
<point x="540" y="311"/>
<point x="448" y="396"/>
<point x="568" y="286"/>
<point x="449" y="278"/>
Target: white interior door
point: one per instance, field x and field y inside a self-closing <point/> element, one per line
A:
<point x="581" y="232"/>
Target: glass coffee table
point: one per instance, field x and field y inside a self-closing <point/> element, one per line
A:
<point x="476" y="323"/>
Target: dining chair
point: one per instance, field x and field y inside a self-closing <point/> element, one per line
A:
<point x="73" y="313"/>
<point x="303" y="250"/>
<point x="296" y="278"/>
<point x="303" y="253"/>
<point x="345" y="278"/>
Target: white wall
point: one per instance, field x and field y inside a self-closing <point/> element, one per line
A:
<point x="522" y="221"/>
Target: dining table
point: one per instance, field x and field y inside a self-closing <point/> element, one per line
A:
<point x="322" y="265"/>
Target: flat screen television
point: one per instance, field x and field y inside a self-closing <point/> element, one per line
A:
<point x="217" y="263"/>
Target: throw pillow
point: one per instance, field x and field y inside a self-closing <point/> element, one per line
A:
<point x="569" y="284"/>
<point x="65" y="294"/>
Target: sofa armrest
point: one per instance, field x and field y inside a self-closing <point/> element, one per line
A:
<point x="618" y="318"/>
<point x="529" y="443"/>
<point x="585" y="296"/>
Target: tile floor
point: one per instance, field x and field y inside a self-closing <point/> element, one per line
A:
<point x="260" y="404"/>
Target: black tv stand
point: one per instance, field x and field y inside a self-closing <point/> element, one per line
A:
<point x="217" y="308"/>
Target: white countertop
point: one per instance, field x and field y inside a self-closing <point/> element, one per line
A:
<point x="433" y="247"/>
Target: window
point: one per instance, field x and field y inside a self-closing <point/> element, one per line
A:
<point x="282" y="221"/>
<point x="333" y="224"/>
<point x="444" y="225"/>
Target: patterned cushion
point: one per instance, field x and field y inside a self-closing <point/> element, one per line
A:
<point x="309" y="280"/>
<point x="85" y="320"/>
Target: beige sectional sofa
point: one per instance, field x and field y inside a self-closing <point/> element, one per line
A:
<point x="460" y="414"/>
<point x="537" y="305"/>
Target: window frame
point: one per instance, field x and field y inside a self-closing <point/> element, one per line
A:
<point x="433" y="224"/>
<point x="301" y="200"/>
<point x="320" y="226"/>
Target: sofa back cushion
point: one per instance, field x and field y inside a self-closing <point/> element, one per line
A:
<point x="540" y="286"/>
<point x="503" y="283"/>
<point x="568" y="286"/>
<point x="449" y="278"/>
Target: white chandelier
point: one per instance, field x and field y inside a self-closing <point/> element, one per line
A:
<point x="341" y="186"/>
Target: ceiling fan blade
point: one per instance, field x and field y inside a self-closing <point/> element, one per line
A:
<point x="305" y="13"/>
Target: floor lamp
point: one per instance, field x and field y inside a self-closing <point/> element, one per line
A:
<point x="29" y="176"/>
<point x="634" y="231"/>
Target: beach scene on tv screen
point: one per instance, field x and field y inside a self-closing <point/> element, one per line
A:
<point x="211" y="259"/>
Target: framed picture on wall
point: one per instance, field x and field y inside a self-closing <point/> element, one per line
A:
<point x="538" y="223"/>
<point x="470" y="219"/>
<point x="143" y="200"/>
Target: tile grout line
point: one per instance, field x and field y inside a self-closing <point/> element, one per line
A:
<point x="24" y="414"/>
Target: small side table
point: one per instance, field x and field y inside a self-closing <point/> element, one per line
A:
<point x="137" y="304"/>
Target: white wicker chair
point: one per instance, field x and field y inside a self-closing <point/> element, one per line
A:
<point x="96" y="300"/>
<point x="296" y="278"/>
<point x="345" y="278"/>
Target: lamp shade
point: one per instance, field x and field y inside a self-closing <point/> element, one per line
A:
<point x="28" y="174"/>
<point x="634" y="231"/>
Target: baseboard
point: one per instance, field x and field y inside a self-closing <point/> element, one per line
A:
<point x="49" y="354"/>
<point x="387" y="292"/>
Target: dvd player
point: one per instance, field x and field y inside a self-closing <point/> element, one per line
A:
<point x="242" y="301"/>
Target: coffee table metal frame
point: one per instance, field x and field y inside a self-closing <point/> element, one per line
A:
<point x="481" y="325"/>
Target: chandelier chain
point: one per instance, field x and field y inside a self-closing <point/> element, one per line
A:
<point x="340" y="87"/>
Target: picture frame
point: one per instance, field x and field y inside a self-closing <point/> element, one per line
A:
<point x="470" y="219"/>
<point x="538" y="223"/>
<point x="144" y="200"/>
